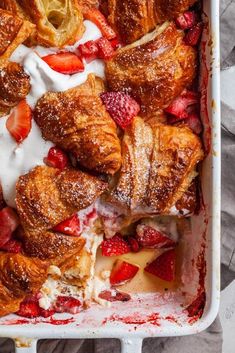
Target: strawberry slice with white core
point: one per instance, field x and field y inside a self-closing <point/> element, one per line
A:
<point x="56" y="158"/>
<point x="152" y="238"/>
<point x="66" y="304"/>
<point x="66" y="63"/>
<point x="95" y="16"/>
<point x="70" y="226"/>
<point x="9" y="221"/>
<point x="115" y="246"/>
<point x="122" y="272"/>
<point x="178" y="108"/>
<point x="122" y="107"/>
<point x="186" y="20"/>
<point x="19" y="122"/>
<point x="163" y="266"/>
<point x="89" y="50"/>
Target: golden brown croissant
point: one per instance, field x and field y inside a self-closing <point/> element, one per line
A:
<point x="47" y="196"/>
<point x="19" y="277"/>
<point x="77" y="121"/>
<point x="153" y="70"/>
<point x="168" y="156"/>
<point x="13" y="32"/>
<point x="133" y="19"/>
<point x="14" y="86"/>
<point x="58" y="22"/>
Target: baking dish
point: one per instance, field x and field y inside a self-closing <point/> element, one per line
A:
<point x="158" y="315"/>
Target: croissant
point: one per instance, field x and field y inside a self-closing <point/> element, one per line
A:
<point x="47" y="196"/>
<point x="153" y="70"/>
<point x="14" y="86"/>
<point x="168" y="156"/>
<point x="77" y="121"/>
<point x="58" y="23"/>
<point x="19" y="277"/>
<point x="13" y="31"/>
<point x="133" y="19"/>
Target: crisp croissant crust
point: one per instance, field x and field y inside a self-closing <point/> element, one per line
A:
<point x="77" y="121"/>
<point x="19" y="277"/>
<point x="45" y="197"/>
<point x="58" y="22"/>
<point x="153" y="70"/>
<point x="168" y="158"/>
<point x="133" y="19"/>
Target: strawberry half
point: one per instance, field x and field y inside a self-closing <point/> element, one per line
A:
<point x="121" y="107"/>
<point x="122" y="272"/>
<point x="115" y="246"/>
<point x="89" y="50"/>
<point x="95" y="16"/>
<point x="70" y="226"/>
<point x="164" y="266"/>
<point x="186" y="20"/>
<point x="178" y="107"/>
<point x="194" y="34"/>
<point x="105" y="49"/>
<point x="19" y="121"/>
<point x="9" y="221"/>
<point x="29" y="310"/>
<point x="65" y="304"/>
<point x="13" y="246"/>
<point x="56" y="158"/>
<point x="151" y="238"/>
<point x="114" y="297"/>
<point x="134" y="244"/>
<point x="65" y="63"/>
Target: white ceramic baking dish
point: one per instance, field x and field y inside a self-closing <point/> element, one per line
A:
<point x="153" y="315"/>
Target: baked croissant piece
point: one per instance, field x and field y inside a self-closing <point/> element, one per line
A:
<point x="47" y="196"/>
<point x="58" y="22"/>
<point x="13" y="31"/>
<point x="154" y="70"/>
<point x="19" y="276"/>
<point x="169" y="156"/>
<point x="14" y="86"/>
<point x="133" y="19"/>
<point x="77" y="121"/>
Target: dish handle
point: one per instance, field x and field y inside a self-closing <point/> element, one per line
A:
<point x="26" y="345"/>
<point x="131" y="345"/>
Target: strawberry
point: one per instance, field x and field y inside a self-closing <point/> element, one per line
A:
<point x="115" y="246"/>
<point x="163" y="266"/>
<point x="115" y="43"/>
<point x="89" y="50"/>
<point x="135" y="246"/>
<point x="29" y="309"/>
<point x="194" y="123"/>
<point x="46" y="313"/>
<point x="19" y="121"/>
<point x="178" y="107"/>
<point x="65" y="63"/>
<point x="65" y="304"/>
<point x="70" y="226"/>
<point x="194" y="34"/>
<point x="94" y="15"/>
<point x="122" y="272"/>
<point x="89" y="217"/>
<point x="152" y="238"/>
<point x="9" y="221"/>
<point x="186" y="20"/>
<point x="13" y="246"/>
<point x="197" y="306"/>
<point x="105" y="49"/>
<point x="121" y="107"/>
<point x="114" y="297"/>
<point x="56" y="158"/>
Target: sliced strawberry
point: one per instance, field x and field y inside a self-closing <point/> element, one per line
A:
<point x="122" y="272"/>
<point x="65" y="63"/>
<point x="105" y="49"/>
<point x="194" y="123"/>
<point x="20" y="121"/>
<point x="70" y="226"/>
<point x="178" y="107"/>
<point x="121" y="107"/>
<point x="89" y="50"/>
<point x="9" y="221"/>
<point x="114" y="297"/>
<point x="56" y="158"/>
<point x="164" y="266"/>
<point x="29" y="309"/>
<point x="151" y="238"/>
<point x="13" y="246"/>
<point x="65" y="304"/>
<point x="186" y="20"/>
<point x="116" y="44"/>
<point x="94" y="15"/>
<point x="134" y="244"/>
<point x="115" y="246"/>
<point x="46" y="313"/>
<point x="194" y="34"/>
<point x="89" y="217"/>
